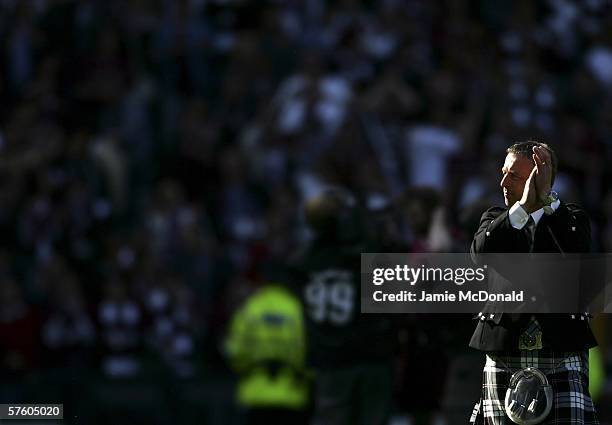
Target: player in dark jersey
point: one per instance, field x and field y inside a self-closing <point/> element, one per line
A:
<point x="350" y="352"/>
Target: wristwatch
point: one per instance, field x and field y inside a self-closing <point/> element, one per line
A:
<point x="549" y="200"/>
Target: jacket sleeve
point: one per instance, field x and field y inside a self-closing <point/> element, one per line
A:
<point x="571" y="228"/>
<point x="496" y="234"/>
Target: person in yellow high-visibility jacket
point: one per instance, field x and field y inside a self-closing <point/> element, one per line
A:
<point x="266" y="348"/>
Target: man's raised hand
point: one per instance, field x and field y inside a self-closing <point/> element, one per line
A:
<point x="543" y="176"/>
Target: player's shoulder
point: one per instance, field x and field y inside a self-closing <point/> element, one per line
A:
<point x="493" y="212"/>
<point x="574" y="208"/>
<point x="575" y="212"/>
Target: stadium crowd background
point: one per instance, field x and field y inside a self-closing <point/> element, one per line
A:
<point x="154" y="153"/>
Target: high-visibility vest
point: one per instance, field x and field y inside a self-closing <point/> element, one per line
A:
<point x="597" y="373"/>
<point x="266" y="347"/>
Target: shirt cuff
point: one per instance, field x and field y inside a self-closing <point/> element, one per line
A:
<point x="555" y="205"/>
<point x="549" y="209"/>
<point x="518" y="216"/>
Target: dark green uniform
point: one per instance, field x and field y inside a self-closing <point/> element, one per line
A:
<point x="350" y="352"/>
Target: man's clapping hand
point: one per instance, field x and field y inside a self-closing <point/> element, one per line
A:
<point x="538" y="184"/>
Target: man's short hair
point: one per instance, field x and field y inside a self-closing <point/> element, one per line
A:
<point x="325" y="212"/>
<point x="526" y="149"/>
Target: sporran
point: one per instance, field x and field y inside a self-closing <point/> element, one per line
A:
<point x="529" y="397"/>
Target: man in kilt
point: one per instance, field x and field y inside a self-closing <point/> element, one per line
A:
<point x="534" y="220"/>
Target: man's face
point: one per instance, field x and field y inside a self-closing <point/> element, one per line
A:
<point x="515" y="172"/>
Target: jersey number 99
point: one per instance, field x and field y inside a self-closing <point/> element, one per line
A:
<point x="330" y="296"/>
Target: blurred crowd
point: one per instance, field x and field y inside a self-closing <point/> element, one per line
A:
<point x="154" y="153"/>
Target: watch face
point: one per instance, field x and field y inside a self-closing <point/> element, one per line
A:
<point x="552" y="197"/>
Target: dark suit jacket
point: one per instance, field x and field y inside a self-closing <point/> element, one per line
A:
<point x="567" y="230"/>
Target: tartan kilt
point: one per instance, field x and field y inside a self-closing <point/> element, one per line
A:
<point x="567" y="373"/>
